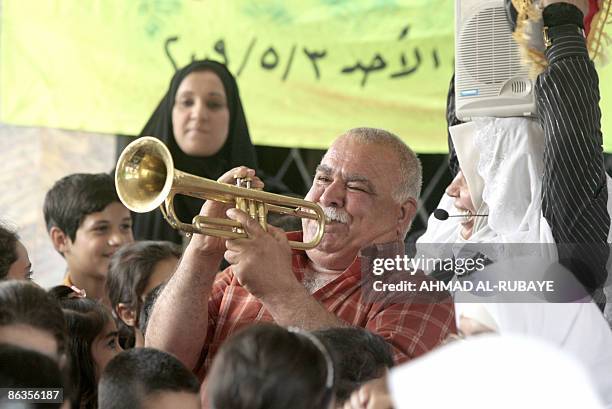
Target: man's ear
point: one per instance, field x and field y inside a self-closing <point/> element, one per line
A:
<point x="407" y="212"/>
<point x="126" y="314"/>
<point x="59" y="239"/>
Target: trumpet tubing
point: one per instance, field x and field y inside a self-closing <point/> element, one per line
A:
<point x="145" y="179"/>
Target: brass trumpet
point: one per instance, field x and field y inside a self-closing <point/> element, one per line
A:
<point x="145" y="178"/>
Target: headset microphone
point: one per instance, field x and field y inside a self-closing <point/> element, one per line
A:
<point x="442" y="214"/>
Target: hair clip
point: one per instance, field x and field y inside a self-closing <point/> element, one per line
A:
<point x="78" y="292"/>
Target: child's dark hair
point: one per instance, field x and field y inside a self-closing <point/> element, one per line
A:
<point x="25" y="368"/>
<point x="267" y="366"/>
<point x="360" y="356"/>
<point x="134" y="375"/>
<point x="85" y="320"/>
<point x="130" y="269"/>
<point x="129" y="272"/>
<point x="22" y="302"/>
<point x="75" y="196"/>
<point x="8" y="250"/>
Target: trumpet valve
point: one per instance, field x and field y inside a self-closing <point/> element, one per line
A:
<point x="262" y="214"/>
<point x="243" y="182"/>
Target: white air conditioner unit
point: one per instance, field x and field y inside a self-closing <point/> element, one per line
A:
<point x="490" y="79"/>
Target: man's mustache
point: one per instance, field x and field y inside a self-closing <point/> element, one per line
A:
<point x="336" y="215"/>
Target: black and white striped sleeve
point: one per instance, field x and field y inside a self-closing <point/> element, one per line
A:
<point x="574" y="194"/>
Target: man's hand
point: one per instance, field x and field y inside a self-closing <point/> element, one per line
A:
<point x="215" y="246"/>
<point x="583" y="5"/>
<point x="261" y="262"/>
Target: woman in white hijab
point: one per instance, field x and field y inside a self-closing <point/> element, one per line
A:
<point x="501" y="162"/>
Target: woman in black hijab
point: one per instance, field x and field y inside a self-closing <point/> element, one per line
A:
<point x="202" y="123"/>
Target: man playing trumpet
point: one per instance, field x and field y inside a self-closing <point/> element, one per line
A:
<point x="368" y="184"/>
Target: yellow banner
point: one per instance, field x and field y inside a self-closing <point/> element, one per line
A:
<point x="307" y="70"/>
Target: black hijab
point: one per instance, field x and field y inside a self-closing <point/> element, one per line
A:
<point x="237" y="150"/>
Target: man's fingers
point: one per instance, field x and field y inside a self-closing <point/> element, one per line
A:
<point x="236" y="244"/>
<point x="240" y="172"/>
<point x="237" y="172"/>
<point x="232" y="257"/>
<point x="250" y="225"/>
<point x="278" y="233"/>
<point x="256" y="183"/>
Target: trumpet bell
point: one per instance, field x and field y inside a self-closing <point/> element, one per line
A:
<point x="144" y="175"/>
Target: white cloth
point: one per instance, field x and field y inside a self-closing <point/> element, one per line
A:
<point x="502" y="372"/>
<point x="509" y="155"/>
<point x="579" y="328"/>
<point x="468" y="156"/>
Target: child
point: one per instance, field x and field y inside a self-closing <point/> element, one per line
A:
<point x="14" y="261"/>
<point x="92" y="343"/>
<point x="134" y="271"/>
<point x="147" y="378"/>
<point x="87" y="224"/>
<point x="32" y="319"/>
<point x="359" y="355"/>
<point x="26" y="368"/>
<point x="267" y="366"/>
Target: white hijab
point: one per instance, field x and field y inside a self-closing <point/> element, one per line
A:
<point x="502" y="372"/>
<point x="502" y="161"/>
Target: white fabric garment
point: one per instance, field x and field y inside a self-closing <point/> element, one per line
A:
<point x="501" y="372"/>
<point x="578" y="328"/>
<point x="509" y="155"/>
<point x="468" y="157"/>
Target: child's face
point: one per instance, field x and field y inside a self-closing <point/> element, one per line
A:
<point x="98" y="237"/>
<point x="105" y="347"/>
<point x="21" y="269"/>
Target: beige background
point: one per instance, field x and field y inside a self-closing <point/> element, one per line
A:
<point x="31" y="160"/>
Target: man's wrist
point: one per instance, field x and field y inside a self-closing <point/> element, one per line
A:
<point x="559" y="14"/>
<point x="201" y="261"/>
<point x="288" y="296"/>
<point x="555" y="34"/>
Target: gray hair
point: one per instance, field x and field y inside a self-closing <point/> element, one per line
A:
<point x="410" y="169"/>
